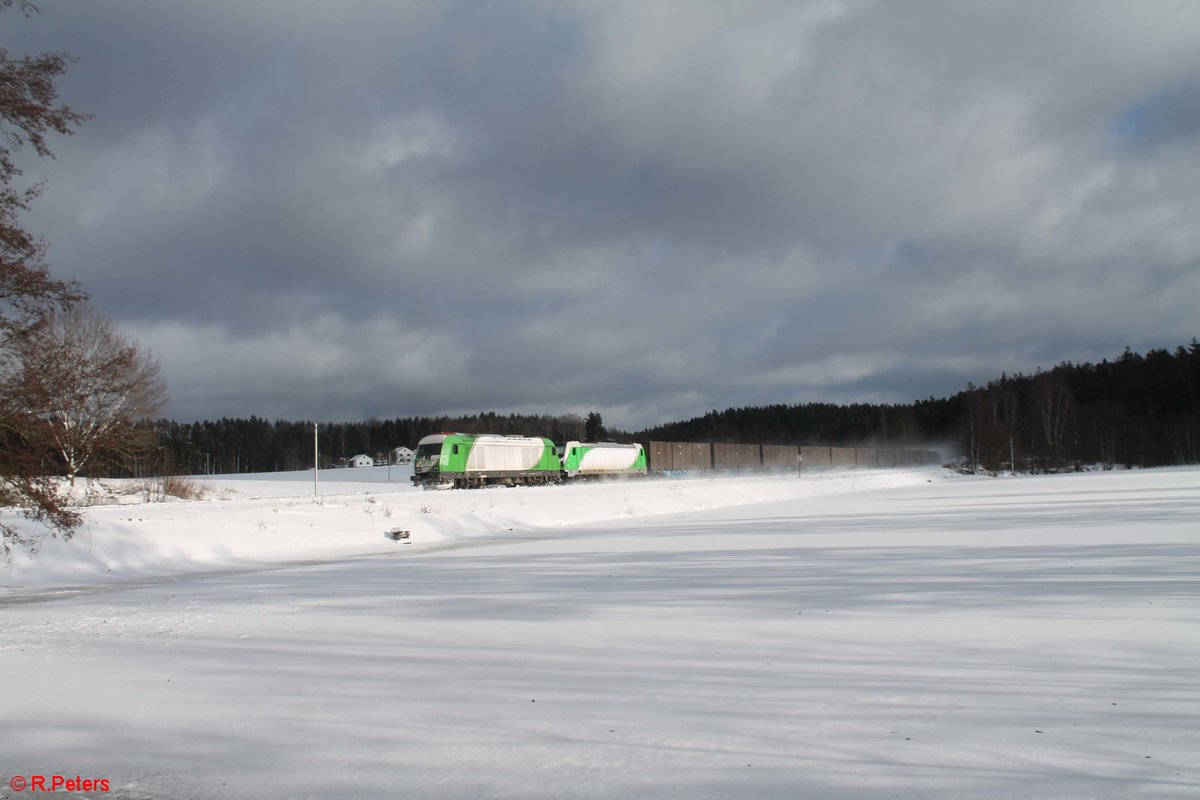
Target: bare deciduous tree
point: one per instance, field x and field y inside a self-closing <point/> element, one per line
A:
<point x="85" y="386"/>
<point x="29" y="114"/>
<point x="1053" y="405"/>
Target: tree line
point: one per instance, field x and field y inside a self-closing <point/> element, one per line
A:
<point x="1134" y="411"/>
<point x="803" y="424"/>
<point x="258" y="445"/>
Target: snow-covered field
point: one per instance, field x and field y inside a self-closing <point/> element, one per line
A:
<point x="909" y="634"/>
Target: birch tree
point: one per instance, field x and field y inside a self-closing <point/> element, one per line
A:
<point x="1053" y="404"/>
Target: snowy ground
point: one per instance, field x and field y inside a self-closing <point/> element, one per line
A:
<point x="844" y="635"/>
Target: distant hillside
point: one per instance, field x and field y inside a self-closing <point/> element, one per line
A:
<point x="1138" y="410"/>
<point x="810" y="423"/>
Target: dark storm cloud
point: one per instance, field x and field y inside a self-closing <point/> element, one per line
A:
<point x="1168" y="116"/>
<point x="651" y="208"/>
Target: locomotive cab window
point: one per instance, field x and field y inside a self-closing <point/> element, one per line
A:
<point x="429" y="450"/>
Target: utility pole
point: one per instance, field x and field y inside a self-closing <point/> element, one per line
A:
<point x="316" y="461"/>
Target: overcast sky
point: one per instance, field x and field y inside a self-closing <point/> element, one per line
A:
<point x="320" y="210"/>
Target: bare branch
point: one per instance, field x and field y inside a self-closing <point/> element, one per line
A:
<point x="30" y="112"/>
<point x="84" y="386"/>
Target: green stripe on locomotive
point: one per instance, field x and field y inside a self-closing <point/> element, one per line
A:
<point x="598" y="459"/>
<point x="548" y="461"/>
<point x="455" y="449"/>
<point x="484" y="458"/>
<point x="573" y="457"/>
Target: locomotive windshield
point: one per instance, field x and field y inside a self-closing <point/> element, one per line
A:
<point x="432" y="450"/>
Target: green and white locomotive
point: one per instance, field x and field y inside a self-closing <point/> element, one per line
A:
<point x="600" y="459"/>
<point x="466" y="460"/>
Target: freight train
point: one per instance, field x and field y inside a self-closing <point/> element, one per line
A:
<point x="468" y="460"/>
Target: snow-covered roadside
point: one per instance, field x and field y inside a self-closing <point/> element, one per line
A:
<point x="271" y="519"/>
